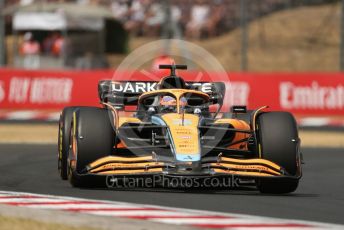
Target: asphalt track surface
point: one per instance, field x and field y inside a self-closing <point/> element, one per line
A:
<point x="320" y="196"/>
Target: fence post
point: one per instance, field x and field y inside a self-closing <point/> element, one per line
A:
<point x="2" y="34"/>
<point x="341" y="57"/>
<point x="244" y="34"/>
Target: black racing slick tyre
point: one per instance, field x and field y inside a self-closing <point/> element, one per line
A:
<point x="63" y="140"/>
<point x="279" y="143"/>
<point x="92" y="138"/>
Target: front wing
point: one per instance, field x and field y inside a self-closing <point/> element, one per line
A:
<point x="208" y="167"/>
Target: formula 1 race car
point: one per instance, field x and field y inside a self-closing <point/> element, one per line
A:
<point x="177" y="131"/>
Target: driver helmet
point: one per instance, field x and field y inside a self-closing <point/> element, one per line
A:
<point x="168" y="104"/>
<point x="171" y="101"/>
<point x="168" y="101"/>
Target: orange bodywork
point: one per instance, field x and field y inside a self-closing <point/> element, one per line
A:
<point x="130" y="166"/>
<point x="135" y="171"/>
<point x="224" y="165"/>
<point x="185" y="136"/>
<point x="240" y="125"/>
<point x="184" y="131"/>
<point x="241" y="173"/>
<point x="107" y="159"/>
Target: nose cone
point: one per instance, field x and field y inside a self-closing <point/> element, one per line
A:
<point x="184" y="136"/>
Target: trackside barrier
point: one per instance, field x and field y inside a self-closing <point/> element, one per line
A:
<point x="301" y="93"/>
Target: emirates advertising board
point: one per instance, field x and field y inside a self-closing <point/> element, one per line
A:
<point x="300" y="93"/>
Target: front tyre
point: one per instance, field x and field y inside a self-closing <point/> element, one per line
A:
<point x="92" y="138"/>
<point x="63" y="140"/>
<point x="279" y="142"/>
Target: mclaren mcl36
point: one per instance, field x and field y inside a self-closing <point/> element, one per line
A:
<point x="176" y="131"/>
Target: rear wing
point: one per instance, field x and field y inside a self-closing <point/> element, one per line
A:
<point x="126" y="93"/>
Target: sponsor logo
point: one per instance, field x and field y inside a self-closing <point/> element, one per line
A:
<point x="134" y="87"/>
<point x="312" y="96"/>
<point x="19" y="89"/>
<point x="142" y="87"/>
<point x="240" y="93"/>
<point x="40" y="90"/>
<point x="185" y="122"/>
<point x="188" y="158"/>
<point x="2" y="91"/>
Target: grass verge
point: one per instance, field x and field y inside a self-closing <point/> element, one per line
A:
<point x="13" y="223"/>
<point x="47" y="134"/>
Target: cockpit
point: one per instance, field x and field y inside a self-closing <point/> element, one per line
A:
<point x="174" y="101"/>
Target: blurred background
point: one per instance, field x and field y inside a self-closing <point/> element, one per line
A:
<point x="264" y="35"/>
<point x="288" y="54"/>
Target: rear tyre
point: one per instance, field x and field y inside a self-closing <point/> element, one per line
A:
<point x="92" y="138"/>
<point x="63" y="140"/>
<point x="279" y="140"/>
